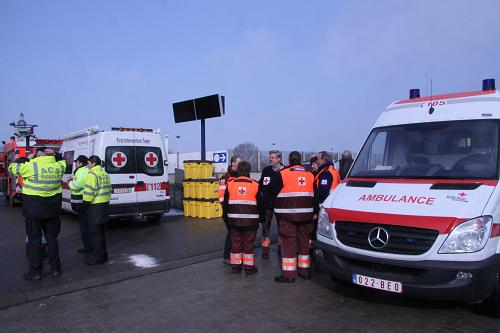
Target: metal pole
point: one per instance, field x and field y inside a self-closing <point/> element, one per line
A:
<point x="27" y="138"/>
<point x="203" y="151"/>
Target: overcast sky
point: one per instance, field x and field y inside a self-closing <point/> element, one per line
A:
<point x="307" y="75"/>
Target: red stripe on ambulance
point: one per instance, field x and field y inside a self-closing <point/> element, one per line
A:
<point x="443" y="224"/>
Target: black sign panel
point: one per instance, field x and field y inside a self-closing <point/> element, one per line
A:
<point x="200" y="108"/>
<point x="184" y="111"/>
<point x="208" y="107"/>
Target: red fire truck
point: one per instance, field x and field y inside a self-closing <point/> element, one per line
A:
<point x="11" y="185"/>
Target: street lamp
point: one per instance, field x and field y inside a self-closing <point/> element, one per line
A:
<point x="178" y="137"/>
<point x="24" y="130"/>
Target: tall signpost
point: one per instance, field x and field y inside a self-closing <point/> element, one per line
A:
<point x="200" y="109"/>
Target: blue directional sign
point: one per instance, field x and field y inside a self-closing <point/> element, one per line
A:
<point x="220" y="157"/>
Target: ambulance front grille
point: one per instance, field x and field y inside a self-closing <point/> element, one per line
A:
<point x="402" y="240"/>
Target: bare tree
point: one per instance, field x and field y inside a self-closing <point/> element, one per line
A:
<point x="248" y="152"/>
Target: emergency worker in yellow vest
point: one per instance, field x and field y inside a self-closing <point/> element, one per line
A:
<point x="294" y="207"/>
<point x="229" y="175"/>
<point x="96" y="196"/>
<point x="77" y="185"/>
<point x="242" y="209"/>
<point x="42" y="202"/>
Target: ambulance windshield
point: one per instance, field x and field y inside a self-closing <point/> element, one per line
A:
<point x="442" y="150"/>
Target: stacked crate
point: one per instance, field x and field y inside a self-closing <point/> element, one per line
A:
<point x="201" y="190"/>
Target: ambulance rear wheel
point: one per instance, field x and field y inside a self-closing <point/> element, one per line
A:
<point x="154" y="218"/>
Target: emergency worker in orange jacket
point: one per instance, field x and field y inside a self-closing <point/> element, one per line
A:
<point x="294" y="207"/>
<point x="230" y="174"/>
<point x="242" y="211"/>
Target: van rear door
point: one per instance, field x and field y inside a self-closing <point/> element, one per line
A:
<point x="152" y="177"/>
<point x="121" y="165"/>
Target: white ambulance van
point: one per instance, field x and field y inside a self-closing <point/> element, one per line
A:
<point x="419" y="212"/>
<point x="136" y="161"/>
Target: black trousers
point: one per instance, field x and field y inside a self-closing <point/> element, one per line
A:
<point x="98" y="241"/>
<point x="51" y="228"/>
<point x="84" y="224"/>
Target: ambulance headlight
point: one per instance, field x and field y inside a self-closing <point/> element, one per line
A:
<point x="469" y="236"/>
<point x="325" y="228"/>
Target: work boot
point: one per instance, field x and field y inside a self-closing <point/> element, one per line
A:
<point x="56" y="272"/>
<point x="226" y="261"/>
<point x="95" y="261"/>
<point x="251" y="271"/>
<point x="282" y="279"/>
<point x="32" y="276"/>
<point x="84" y="250"/>
<point x="304" y="276"/>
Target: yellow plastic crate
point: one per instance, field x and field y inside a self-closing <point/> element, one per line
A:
<point x="205" y="170"/>
<point x="187" y="208"/>
<point x="189" y="189"/>
<point x="190" y="170"/>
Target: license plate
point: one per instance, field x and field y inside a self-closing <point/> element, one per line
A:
<point x="121" y="190"/>
<point x="366" y="281"/>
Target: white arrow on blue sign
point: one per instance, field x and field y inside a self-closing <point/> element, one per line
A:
<point x="220" y="157"/>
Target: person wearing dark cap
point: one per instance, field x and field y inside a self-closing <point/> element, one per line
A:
<point x="77" y="184"/>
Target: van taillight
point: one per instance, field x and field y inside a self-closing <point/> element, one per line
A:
<point x="140" y="187"/>
<point x="164" y="186"/>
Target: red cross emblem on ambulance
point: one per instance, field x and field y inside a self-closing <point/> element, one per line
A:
<point x="301" y="181"/>
<point x="118" y="159"/>
<point x="151" y="159"/>
<point x="242" y="190"/>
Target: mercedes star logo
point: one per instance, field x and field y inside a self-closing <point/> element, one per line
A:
<point x="378" y="238"/>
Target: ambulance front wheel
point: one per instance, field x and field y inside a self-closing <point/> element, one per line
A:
<point x="492" y="304"/>
<point x="154" y="218"/>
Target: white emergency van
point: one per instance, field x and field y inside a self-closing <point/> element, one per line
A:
<point x="419" y="212"/>
<point x="136" y="161"/>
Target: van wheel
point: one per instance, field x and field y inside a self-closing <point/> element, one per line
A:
<point x="492" y="304"/>
<point x="154" y="218"/>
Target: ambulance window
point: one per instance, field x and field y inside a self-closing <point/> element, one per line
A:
<point x="69" y="157"/>
<point x="376" y="160"/>
<point x="149" y="161"/>
<point x="120" y="159"/>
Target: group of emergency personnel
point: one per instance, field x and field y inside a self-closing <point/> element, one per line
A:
<point x="42" y="201"/>
<point x="292" y="194"/>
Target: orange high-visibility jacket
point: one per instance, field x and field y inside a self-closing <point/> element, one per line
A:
<point x="295" y="201"/>
<point x="241" y="204"/>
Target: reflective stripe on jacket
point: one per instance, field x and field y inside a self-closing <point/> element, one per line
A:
<point x="78" y="183"/>
<point x="97" y="188"/>
<point x="41" y="176"/>
<point x="241" y="202"/>
<point x="295" y="201"/>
